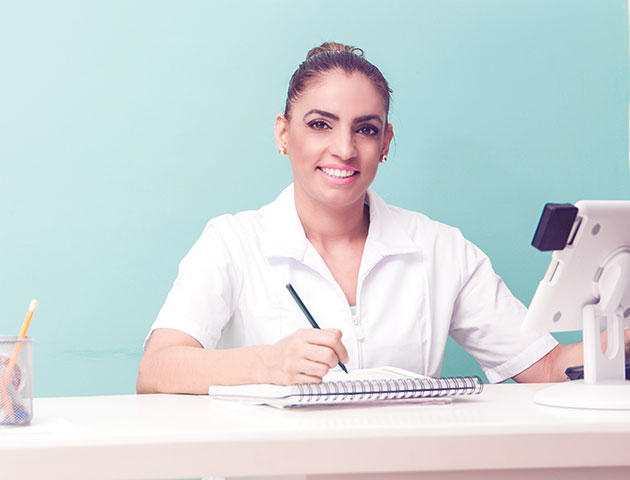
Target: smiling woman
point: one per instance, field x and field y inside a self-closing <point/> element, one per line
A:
<point x="387" y="286"/>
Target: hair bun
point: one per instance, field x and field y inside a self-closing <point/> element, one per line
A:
<point x="333" y="47"/>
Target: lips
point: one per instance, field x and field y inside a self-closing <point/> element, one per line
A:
<point x="338" y="174"/>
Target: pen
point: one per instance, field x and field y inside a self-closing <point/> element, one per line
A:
<point x="307" y="314"/>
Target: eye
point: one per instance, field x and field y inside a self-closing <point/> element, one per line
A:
<point x="318" y="125"/>
<point x="368" y="130"/>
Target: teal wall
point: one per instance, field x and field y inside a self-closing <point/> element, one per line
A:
<point x="126" y="125"/>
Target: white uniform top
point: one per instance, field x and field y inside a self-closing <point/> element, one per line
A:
<point x="419" y="281"/>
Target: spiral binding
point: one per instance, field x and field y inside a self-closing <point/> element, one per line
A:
<point x="389" y="389"/>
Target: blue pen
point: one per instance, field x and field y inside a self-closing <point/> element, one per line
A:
<point x="308" y="315"/>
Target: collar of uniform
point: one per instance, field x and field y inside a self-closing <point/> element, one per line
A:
<point x="386" y="235"/>
<point x="285" y="235"/>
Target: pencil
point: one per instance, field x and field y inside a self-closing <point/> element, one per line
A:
<point x="21" y="336"/>
<point x="5" y="397"/>
<point x="307" y="314"/>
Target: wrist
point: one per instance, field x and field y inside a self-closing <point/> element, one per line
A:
<point x="261" y="368"/>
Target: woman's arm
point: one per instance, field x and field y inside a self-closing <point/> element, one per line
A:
<point x="551" y="367"/>
<point x="175" y="362"/>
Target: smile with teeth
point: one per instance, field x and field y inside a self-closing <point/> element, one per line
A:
<point x="336" y="172"/>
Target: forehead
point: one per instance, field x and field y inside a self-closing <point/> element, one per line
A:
<point x="337" y="92"/>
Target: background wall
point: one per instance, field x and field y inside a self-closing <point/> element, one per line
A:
<point x="125" y="126"/>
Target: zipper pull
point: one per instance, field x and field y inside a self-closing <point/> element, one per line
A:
<point x="357" y="327"/>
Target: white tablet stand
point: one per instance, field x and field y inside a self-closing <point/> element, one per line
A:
<point x="591" y="274"/>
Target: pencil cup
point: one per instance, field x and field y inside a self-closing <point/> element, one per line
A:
<point x="16" y="380"/>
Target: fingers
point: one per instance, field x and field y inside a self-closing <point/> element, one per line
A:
<point x="306" y="356"/>
<point x="295" y="370"/>
<point x="321" y="354"/>
<point x="330" y="338"/>
<point x="303" y="378"/>
<point x="312" y="369"/>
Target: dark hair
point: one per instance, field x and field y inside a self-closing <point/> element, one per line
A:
<point x="330" y="56"/>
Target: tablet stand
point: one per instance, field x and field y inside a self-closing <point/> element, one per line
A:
<point x="604" y="385"/>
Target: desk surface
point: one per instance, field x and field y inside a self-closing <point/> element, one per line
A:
<point x="178" y="436"/>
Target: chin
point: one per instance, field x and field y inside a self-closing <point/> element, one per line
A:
<point x="340" y="197"/>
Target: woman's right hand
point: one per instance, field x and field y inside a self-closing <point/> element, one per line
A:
<point x="304" y="356"/>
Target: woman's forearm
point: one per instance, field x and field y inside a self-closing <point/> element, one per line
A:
<point x="571" y="355"/>
<point x="187" y="369"/>
<point x="176" y="362"/>
<point x="561" y="358"/>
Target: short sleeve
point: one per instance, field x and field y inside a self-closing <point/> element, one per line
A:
<point x="487" y="319"/>
<point x="206" y="290"/>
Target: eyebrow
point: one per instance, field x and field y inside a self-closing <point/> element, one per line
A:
<point x="332" y="116"/>
<point x="365" y="118"/>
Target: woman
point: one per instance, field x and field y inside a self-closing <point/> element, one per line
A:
<point x="386" y="285"/>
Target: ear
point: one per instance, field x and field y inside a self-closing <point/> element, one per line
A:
<point x="281" y="130"/>
<point x="389" y="134"/>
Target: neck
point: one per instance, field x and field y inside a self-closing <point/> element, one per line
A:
<point x="325" y="224"/>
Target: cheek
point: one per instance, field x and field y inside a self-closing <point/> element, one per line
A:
<point x="305" y="149"/>
<point x="372" y="155"/>
<point x="371" y="148"/>
<point x="370" y="171"/>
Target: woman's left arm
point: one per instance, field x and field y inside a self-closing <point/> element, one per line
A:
<point x="551" y="367"/>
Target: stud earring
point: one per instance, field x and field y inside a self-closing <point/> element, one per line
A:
<point x="283" y="151"/>
<point x="383" y="158"/>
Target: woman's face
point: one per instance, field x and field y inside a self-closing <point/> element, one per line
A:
<point x="335" y="136"/>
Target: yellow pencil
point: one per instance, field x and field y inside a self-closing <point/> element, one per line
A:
<point x="5" y="398"/>
<point x="18" y="345"/>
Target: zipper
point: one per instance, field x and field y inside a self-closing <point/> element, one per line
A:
<point x="360" y="335"/>
<point x="356" y="318"/>
<point x="327" y="275"/>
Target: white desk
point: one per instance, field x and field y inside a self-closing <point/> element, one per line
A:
<point x="498" y="434"/>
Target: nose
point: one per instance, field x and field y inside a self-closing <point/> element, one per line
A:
<point x="343" y="144"/>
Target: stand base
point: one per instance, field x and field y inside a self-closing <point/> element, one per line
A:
<point x="576" y="394"/>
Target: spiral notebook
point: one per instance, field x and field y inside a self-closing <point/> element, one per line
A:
<point x="384" y="384"/>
